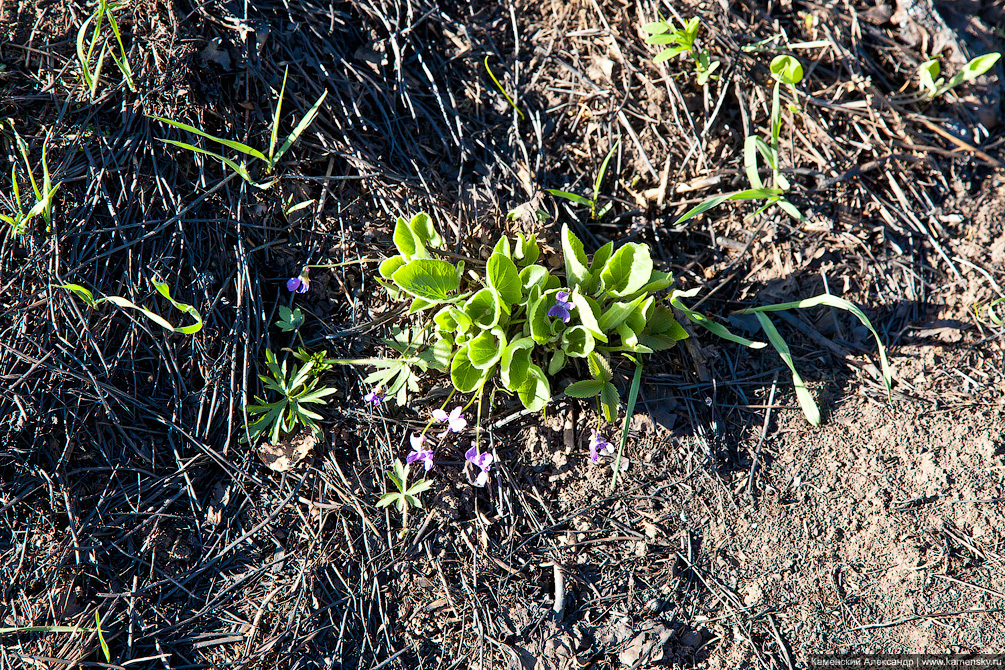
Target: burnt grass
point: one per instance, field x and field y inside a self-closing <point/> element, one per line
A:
<point x="739" y="536"/>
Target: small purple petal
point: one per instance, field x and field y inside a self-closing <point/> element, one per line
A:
<point x="293" y="284"/>
<point x="411" y="458"/>
<point x="471" y="455"/>
<point x="559" y="311"/>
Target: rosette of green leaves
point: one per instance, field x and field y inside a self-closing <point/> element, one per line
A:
<point x="495" y="325"/>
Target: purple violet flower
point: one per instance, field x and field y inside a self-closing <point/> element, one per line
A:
<point x="301" y="283"/>
<point x="420" y="452"/>
<point x="599" y="444"/>
<point x="374" y="398"/>
<point x="481" y="461"/>
<point x="455" y="420"/>
<point x="563" y="307"/>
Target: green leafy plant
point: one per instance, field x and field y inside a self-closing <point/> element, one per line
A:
<point x="162" y="288"/>
<point x="786" y="70"/>
<point x="44" y="196"/>
<point x="932" y="85"/>
<point x="405" y="496"/>
<point x="271" y="159"/>
<point x="515" y="324"/>
<point x="290" y="320"/>
<point x="682" y="41"/>
<point x="105" y="11"/>
<point x="594" y="201"/>
<point x="296" y="388"/>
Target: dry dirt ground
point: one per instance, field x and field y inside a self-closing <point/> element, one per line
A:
<point x="739" y="536"/>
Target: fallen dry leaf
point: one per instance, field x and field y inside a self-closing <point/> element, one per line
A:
<point x="285" y="454"/>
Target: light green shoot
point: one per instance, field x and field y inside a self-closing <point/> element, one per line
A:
<point x="161" y="287"/>
<point x="296" y="388"/>
<point x="786" y="70"/>
<point x="91" y="77"/>
<point x="44" y="197"/>
<point x="406" y="496"/>
<point x="101" y="638"/>
<point x="683" y="42"/>
<point x="806" y="402"/>
<point x="501" y="89"/>
<point x="591" y="202"/>
<point x="933" y="85"/>
<point x="990" y="316"/>
<point x="271" y="159"/>
<point x="633" y="396"/>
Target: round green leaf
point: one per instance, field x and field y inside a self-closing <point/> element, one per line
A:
<point x="483" y="308"/>
<point x="627" y="270"/>
<point x="502" y="276"/>
<point x="535" y="392"/>
<point x="484" y="351"/>
<point x="430" y="279"/>
<point x="465" y="376"/>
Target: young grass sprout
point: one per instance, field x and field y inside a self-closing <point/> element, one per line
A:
<point x="270" y="159"/>
<point x="104" y="11"/>
<point x="44" y="196"/>
<point x="591" y="202"/>
<point x="788" y="71"/>
<point x="162" y="288"/>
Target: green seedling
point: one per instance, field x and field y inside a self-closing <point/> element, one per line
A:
<point x="162" y="288"/>
<point x="786" y="70"/>
<point x="932" y="85"/>
<point x="591" y="202"/>
<point x="406" y="496"/>
<point x="989" y="315"/>
<point x="101" y="638"/>
<point x="44" y="196"/>
<point x="297" y="388"/>
<point x="515" y="325"/>
<point x="271" y="159"/>
<point x="91" y="77"/>
<point x="501" y="89"/>
<point x="682" y="41"/>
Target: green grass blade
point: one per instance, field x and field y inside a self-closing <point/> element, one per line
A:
<point x="275" y="119"/>
<point x="715" y="201"/>
<point x="840" y="303"/>
<point x="15" y="630"/>
<point x="236" y="146"/>
<point x="578" y="199"/>
<point x="501" y="89"/>
<point x="97" y="69"/>
<point x="806" y="402"/>
<point x="708" y="324"/>
<point x="101" y="637"/>
<point x="603" y="170"/>
<point x="633" y="396"/>
<point x="162" y="288"/>
<point x="750" y="161"/>
<point x="300" y="128"/>
<point x="232" y="164"/>
<point x="123" y="63"/>
<point x="84" y="58"/>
